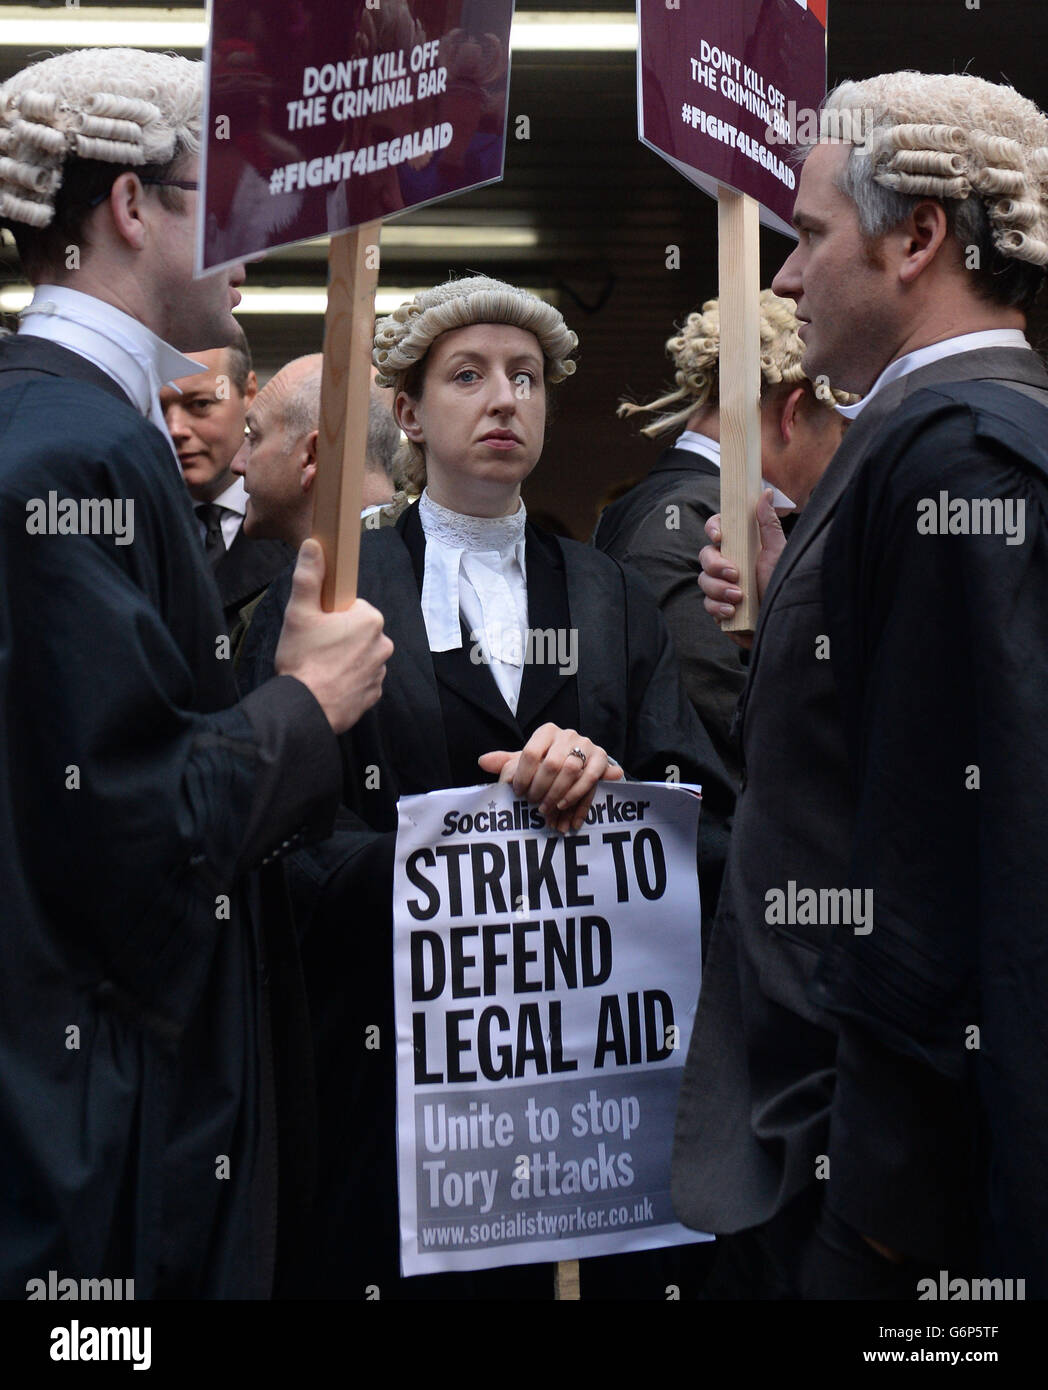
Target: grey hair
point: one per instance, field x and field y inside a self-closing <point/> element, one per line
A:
<point x="383" y="437"/>
<point x="1009" y="282"/>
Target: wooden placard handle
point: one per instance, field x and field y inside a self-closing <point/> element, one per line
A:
<point x="740" y="393"/>
<point x="349" y="329"/>
<point x="566" y="1281"/>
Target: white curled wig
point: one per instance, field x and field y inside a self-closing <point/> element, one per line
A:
<point x="118" y="105"/>
<point x="695" y="352"/>
<point x="953" y="137"/>
<point x="403" y="338"/>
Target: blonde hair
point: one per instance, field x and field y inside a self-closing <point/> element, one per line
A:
<point x="118" y="105"/>
<point x="954" y="137"/>
<point x="403" y="339"/>
<point x="695" y="351"/>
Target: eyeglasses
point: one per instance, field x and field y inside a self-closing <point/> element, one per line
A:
<point x="187" y="186"/>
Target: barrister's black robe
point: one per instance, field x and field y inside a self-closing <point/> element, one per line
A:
<point x="939" y="1125"/>
<point x="886" y="663"/>
<point x="140" y="974"/>
<point x="437" y="713"/>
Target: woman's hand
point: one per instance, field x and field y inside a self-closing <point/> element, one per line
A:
<point x="550" y="773"/>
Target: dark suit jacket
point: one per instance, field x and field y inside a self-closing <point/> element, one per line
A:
<point x="438" y="712"/>
<point x="245" y="570"/>
<point x="136" y="797"/>
<point x="658" y="528"/>
<point x="760" y="1081"/>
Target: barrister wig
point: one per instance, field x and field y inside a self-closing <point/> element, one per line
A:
<point x="953" y="137"/>
<point x="403" y="338"/>
<point x="118" y="105"/>
<point x="695" y="351"/>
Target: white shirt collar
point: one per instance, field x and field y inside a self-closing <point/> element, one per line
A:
<point x="697" y="443"/>
<point x="118" y="344"/>
<point x="475" y="566"/>
<point x="709" y="448"/>
<point x="935" y="352"/>
<point x="233" y="501"/>
<point x="233" y="498"/>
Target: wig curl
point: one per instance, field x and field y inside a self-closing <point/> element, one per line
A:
<point x="695" y="351"/>
<point x="118" y="105"/>
<point x="954" y="136"/>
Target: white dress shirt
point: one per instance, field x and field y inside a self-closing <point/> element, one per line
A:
<point x="709" y="448"/>
<point x="136" y="359"/>
<point x="475" y="566"/>
<point x="921" y="357"/>
<point x="234" y="501"/>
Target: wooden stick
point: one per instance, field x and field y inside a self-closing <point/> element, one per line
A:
<point x="566" y="1281"/>
<point x="740" y="392"/>
<point x="349" y="329"/>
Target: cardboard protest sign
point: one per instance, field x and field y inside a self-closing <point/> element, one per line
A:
<point x="319" y="119"/>
<point x="545" y="987"/>
<point x="722" y="85"/>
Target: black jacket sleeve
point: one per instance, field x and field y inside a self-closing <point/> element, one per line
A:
<point x="139" y="791"/>
<point x="939" y="645"/>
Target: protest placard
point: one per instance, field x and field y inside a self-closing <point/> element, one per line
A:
<point x="545" y="987"/>
<point x="722" y="89"/>
<point x="322" y="119"/>
<point x="723" y="86"/>
<point x="324" y="122"/>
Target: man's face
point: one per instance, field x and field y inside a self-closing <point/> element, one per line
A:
<point x="206" y="424"/>
<point x="271" y="465"/>
<point x="189" y="313"/>
<point x="845" y="302"/>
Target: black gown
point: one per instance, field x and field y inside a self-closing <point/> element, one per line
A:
<point x="143" y="974"/>
<point x="438" y="713"/>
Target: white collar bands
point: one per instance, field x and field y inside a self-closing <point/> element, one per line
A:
<point x="475" y="567"/>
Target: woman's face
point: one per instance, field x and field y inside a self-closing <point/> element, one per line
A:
<point x="481" y="416"/>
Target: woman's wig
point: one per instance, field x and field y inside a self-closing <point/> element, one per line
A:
<point x="403" y="338"/>
<point x="695" y="351"/>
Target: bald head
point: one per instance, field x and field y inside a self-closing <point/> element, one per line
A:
<point x="279" y="460"/>
<point x="295" y="393"/>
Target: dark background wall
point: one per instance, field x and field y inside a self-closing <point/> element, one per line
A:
<point x="605" y="210"/>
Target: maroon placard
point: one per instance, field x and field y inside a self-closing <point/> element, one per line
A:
<point x="321" y="117"/>
<point x="722" y="85"/>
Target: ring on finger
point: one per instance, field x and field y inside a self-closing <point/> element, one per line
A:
<point x="578" y="753"/>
